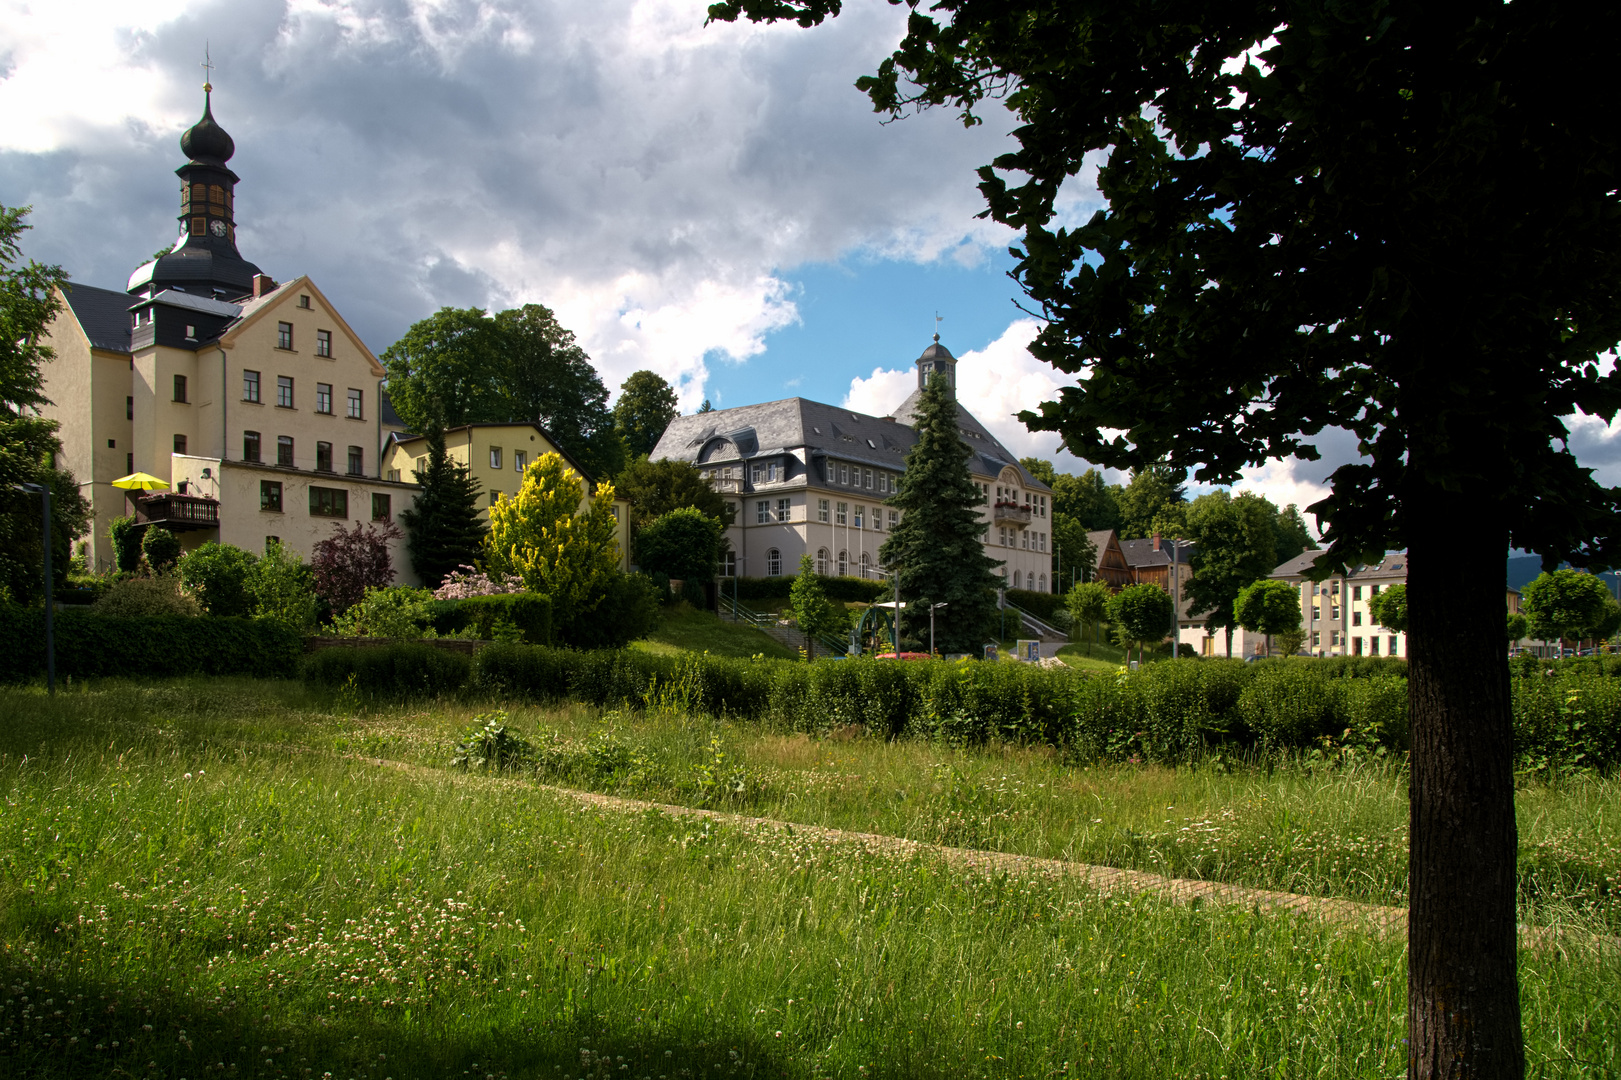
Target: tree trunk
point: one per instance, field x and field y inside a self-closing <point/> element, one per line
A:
<point x="1463" y="1001"/>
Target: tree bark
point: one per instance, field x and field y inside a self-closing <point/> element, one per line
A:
<point x="1463" y="1002"/>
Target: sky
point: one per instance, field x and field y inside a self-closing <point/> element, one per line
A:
<point x="717" y="204"/>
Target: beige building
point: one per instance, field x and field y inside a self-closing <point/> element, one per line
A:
<point x="496" y="455"/>
<point x="808" y="478"/>
<point x="255" y="401"/>
<point x="1336" y="612"/>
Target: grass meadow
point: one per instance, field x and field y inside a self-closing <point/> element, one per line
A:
<point x="203" y="879"/>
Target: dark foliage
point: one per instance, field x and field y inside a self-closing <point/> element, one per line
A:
<point x="352" y="560"/>
<point x="443" y="526"/>
<point x="153" y="646"/>
<point x="399" y="670"/>
<point x="529" y="613"/>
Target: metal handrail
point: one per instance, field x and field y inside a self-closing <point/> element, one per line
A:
<point x="1037" y="622"/>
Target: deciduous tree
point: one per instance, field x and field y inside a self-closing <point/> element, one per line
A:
<point x="645" y="408"/>
<point x="445" y="371"/>
<point x="549" y="379"/>
<point x="1389" y="608"/>
<point x="1234" y="545"/>
<point x="1386" y="219"/>
<point x="816" y="615"/>
<point x="684" y="544"/>
<point x="1088" y="604"/>
<point x="352" y="560"/>
<point x="1141" y="613"/>
<point x="1268" y="607"/>
<point x="1566" y="605"/>
<point x="655" y="488"/>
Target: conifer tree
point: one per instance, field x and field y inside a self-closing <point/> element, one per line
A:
<point x="937" y="547"/>
<point x="443" y="526"/>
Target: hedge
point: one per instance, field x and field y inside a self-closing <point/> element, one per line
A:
<point x="403" y="669"/>
<point x="530" y="613"/>
<point x="99" y="646"/>
<point x="1042" y="605"/>
<point x="857" y="590"/>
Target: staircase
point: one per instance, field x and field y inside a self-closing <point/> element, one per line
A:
<point x="1036" y="627"/>
<point x="776" y="628"/>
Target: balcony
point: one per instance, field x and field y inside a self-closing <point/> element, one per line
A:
<point x="177" y="513"/>
<point x="1007" y="513"/>
<point x="727" y="485"/>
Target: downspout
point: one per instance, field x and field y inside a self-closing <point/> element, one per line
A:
<point x="225" y="426"/>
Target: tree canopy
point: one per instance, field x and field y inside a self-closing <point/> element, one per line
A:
<point x="1382" y="219"/>
<point x="655" y="488"/>
<point x="1153" y="503"/>
<point x="1566" y="605"/>
<point x="1268" y="607"/>
<point x="1142" y="613"/>
<point x="684" y="543"/>
<point x="465" y="366"/>
<point x="645" y="408"/>
<point x="1235" y="543"/>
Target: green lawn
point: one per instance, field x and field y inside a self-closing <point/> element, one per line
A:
<point x="684" y="628"/>
<point x="199" y="878"/>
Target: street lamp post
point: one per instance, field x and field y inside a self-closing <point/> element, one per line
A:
<point x="44" y="493"/>
<point x="932" y="608"/>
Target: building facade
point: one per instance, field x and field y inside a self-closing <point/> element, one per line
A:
<point x="1336" y="611"/>
<point x="496" y="455"/>
<point x="253" y="400"/>
<point x="805" y="478"/>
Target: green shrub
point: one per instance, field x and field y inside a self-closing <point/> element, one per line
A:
<point x="1373" y="711"/>
<point x="488" y="744"/>
<point x="126" y="538"/>
<point x="1287" y="705"/>
<point x="139" y="596"/>
<point x="398" y="611"/>
<point x="283" y="588"/>
<point x="629" y="610"/>
<point x="218" y="575"/>
<point x="161" y="548"/>
<point x="529" y="614"/>
<point x="1044" y="606"/>
<point x="852" y="589"/>
<point x="90" y="645"/>
<point x="405" y="669"/>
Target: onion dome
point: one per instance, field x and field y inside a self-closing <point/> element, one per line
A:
<point x="206" y="140"/>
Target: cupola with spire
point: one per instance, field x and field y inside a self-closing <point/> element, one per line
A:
<point x="937" y="360"/>
<point x="204" y="260"/>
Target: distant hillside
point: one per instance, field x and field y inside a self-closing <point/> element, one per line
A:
<point x="1522" y="569"/>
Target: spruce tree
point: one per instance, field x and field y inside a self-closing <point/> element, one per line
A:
<point x="442" y="523"/>
<point x="937" y="547"/>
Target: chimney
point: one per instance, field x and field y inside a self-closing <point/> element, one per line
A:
<point x="262" y="285"/>
<point x="1156" y="541"/>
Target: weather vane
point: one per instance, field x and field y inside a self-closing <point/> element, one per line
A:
<point x="208" y="66"/>
<point x="938" y="319"/>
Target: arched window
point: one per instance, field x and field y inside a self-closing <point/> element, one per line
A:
<point x="866" y="561"/>
<point x="1015" y="579"/>
<point x="773" y="563"/>
<point x="844" y="563"/>
<point x="1043" y="586"/>
<point x="821" y="561"/>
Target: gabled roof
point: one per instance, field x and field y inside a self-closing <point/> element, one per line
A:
<point x="254" y="307"/>
<point x="1392" y="566"/>
<point x="400" y="439"/>
<point x="1141" y="553"/>
<point x="102" y="314"/>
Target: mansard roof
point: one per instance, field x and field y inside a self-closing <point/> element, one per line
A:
<point x="775" y="427"/>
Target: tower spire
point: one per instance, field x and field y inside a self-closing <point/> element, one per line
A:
<point x="208" y="79"/>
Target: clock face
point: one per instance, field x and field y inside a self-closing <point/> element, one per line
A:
<point x="218" y="227"/>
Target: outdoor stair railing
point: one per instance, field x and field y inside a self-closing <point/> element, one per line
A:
<point x="1035" y="622"/>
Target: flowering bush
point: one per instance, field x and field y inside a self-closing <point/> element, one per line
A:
<point x="466" y="581"/>
<point x="351" y="561"/>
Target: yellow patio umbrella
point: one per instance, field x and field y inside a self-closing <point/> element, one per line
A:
<point x="140" y="481"/>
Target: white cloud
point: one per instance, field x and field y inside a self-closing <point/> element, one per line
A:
<point x="648" y="177"/>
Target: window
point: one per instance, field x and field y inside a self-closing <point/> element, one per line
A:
<point x="1392" y="642"/>
<point x="284" y="391"/>
<point x="250" y="446"/>
<point x="756" y="473"/>
<point x="883" y="483"/>
<point x="495" y="457"/>
<point x="112" y="444"/>
<point x="1335" y="613"/>
<point x="1334" y="587"/>
<point x="1316" y="638"/>
<point x="878" y="518"/>
<point x="1356" y="592"/>
<point x="773" y="563"/>
<point x="381" y="510"/>
<point x="1015" y="579"/>
<point x="844" y="563"/>
<point x="284" y="450"/>
<point x="272" y="542"/>
<point x="1024" y="538"/>
<point x="520" y="460"/>
<point x="284" y="335"/>
<point x="323" y="397"/>
<point x="329" y="502"/>
<point x="821" y="513"/>
<point x="180" y="389"/>
<point x="1001" y="534"/>
<point x="1373" y="590"/>
<point x="1316" y="587"/>
<point x="1043" y="537"/>
<point x="894" y="519"/>
<point x="783" y="511"/>
<point x="250" y="386"/>
<point x="180" y="444"/>
<point x="323" y="343"/>
<point x="270" y="496"/>
<point x="357" y="461"/>
<point x="866" y="561"/>
<point x="495" y="497"/>
<point x="129" y="408"/>
<point x="129" y="463"/>
<point x="304" y="301"/>
<point x="1316" y="613"/>
<point x="1356" y="618"/>
<point x="861" y="515"/>
<point x="323" y="457"/>
<point x="1373" y="645"/>
<point x="191" y="332"/>
<point x="844" y="474"/>
<point x="868" y="474"/>
<point x="841" y="516"/>
<point x="762" y="512"/>
<point x="821" y="561"/>
<point x="394" y="475"/>
<point x="1356" y="646"/>
<point x="356" y="411"/>
<point x="1043" y="586"/>
<point x="728" y="564"/>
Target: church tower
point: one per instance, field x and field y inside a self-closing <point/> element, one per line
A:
<point x="204" y="260"/>
<point x="937" y="360"/>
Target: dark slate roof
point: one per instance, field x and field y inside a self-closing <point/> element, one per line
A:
<point x="993" y="457"/>
<point x="1142" y="553"/>
<point x="102" y="314"/>
<point x="776" y="426"/>
<point x="1392" y="566"/>
<point x="389" y="417"/>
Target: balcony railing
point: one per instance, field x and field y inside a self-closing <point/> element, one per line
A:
<point x="174" y="511"/>
<point x="1010" y="514"/>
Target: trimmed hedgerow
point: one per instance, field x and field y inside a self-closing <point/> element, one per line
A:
<point x="403" y="669"/>
<point x="145" y="646"/>
<point x="528" y="613"/>
<point x="858" y="590"/>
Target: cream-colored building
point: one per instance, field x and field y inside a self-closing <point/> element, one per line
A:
<point x="811" y="479"/>
<point x="1337" y="612"/>
<point x="255" y="401"/>
<point x="496" y="455"/>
